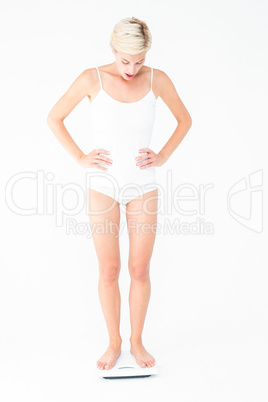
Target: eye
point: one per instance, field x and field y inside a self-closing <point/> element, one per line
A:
<point x="127" y="63"/>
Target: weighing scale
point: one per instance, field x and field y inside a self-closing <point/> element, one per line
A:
<point x="126" y="367"/>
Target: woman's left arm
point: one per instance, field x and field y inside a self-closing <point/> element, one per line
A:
<point x="168" y="93"/>
<point x="164" y="87"/>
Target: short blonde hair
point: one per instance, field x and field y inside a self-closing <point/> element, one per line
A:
<point x="131" y="35"/>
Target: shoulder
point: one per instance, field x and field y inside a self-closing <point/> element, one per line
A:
<point x="166" y="89"/>
<point x="161" y="82"/>
<point x="87" y="80"/>
<point x="88" y="76"/>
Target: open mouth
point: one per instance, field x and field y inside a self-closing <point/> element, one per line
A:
<point x="128" y="75"/>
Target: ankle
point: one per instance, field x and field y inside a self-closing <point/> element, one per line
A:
<point x="135" y="340"/>
<point x="115" y="341"/>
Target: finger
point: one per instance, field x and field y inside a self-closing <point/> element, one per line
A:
<point x="102" y="158"/>
<point x="100" y="167"/>
<point x="144" y="150"/>
<point x="103" y="151"/>
<point x="143" y="157"/>
<point x="146" y="165"/>
<point x="146" y="158"/>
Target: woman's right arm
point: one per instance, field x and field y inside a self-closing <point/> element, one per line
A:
<point x="77" y="91"/>
<point x="81" y="87"/>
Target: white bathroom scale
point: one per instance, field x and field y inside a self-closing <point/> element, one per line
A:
<point x="126" y="367"/>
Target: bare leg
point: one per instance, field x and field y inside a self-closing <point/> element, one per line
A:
<point x="141" y="237"/>
<point x="106" y="242"/>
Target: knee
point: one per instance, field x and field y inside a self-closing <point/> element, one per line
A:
<point x="139" y="270"/>
<point x="109" y="272"/>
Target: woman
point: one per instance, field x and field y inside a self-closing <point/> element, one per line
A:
<point x="123" y="96"/>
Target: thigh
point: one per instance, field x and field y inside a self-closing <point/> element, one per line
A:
<point x="104" y="219"/>
<point x="141" y="216"/>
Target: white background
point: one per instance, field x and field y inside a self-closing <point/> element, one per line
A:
<point x="206" y="323"/>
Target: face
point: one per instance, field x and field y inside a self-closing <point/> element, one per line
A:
<point x="129" y="64"/>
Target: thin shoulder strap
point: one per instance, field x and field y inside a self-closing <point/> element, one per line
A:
<point x="99" y="77"/>
<point x="151" y="77"/>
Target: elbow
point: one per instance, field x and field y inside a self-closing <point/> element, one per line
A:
<point x="186" y="121"/>
<point x="49" y="119"/>
<point x="190" y="121"/>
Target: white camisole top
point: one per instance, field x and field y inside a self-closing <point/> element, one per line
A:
<point x="122" y="128"/>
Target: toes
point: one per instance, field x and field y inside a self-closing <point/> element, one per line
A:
<point x="150" y="363"/>
<point x="109" y="365"/>
<point x="105" y="365"/>
<point x="100" y="365"/>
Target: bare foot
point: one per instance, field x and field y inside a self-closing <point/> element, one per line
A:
<point x="143" y="358"/>
<point x="109" y="358"/>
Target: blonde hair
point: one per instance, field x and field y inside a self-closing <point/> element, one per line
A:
<point x="131" y="35"/>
